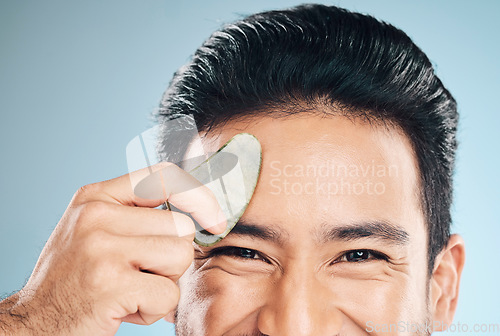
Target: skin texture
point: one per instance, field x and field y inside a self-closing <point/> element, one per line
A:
<point x="114" y="258"/>
<point x="105" y="261"/>
<point x="295" y="281"/>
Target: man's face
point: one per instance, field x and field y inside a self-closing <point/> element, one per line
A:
<point x="333" y="240"/>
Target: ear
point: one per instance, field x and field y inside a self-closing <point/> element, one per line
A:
<point x="445" y="282"/>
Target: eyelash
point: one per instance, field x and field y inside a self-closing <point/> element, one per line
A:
<point x="234" y="251"/>
<point x="372" y="255"/>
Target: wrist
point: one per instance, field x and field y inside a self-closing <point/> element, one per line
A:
<point x="14" y="317"/>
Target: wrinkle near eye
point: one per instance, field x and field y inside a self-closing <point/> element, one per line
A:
<point x="233" y="259"/>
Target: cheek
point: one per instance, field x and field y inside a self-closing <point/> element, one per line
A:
<point x="376" y="301"/>
<point x="218" y="301"/>
<point x="392" y="298"/>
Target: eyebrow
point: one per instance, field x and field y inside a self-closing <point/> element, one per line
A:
<point x="243" y="228"/>
<point x="378" y="230"/>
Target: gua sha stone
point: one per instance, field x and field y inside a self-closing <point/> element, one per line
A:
<point x="231" y="174"/>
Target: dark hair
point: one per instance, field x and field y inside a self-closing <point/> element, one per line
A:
<point x="316" y="55"/>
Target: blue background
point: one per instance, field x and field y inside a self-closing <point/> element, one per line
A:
<point x="79" y="79"/>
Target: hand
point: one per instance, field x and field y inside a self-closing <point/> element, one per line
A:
<point x="113" y="257"/>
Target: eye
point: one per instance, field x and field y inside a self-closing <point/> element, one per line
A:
<point x="356" y="256"/>
<point x="237" y="252"/>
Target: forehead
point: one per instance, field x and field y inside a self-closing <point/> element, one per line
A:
<point x="319" y="170"/>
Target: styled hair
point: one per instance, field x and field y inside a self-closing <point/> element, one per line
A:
<point x="298" y="59"/>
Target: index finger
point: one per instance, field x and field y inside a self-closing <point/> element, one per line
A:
<point x="152" y="186"/>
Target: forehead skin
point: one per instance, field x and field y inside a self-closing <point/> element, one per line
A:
<point x="364" y="173"/>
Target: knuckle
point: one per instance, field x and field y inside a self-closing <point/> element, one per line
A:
<point x="102" y="276"/>
<point x="84" y="192"/>
<point x="96" y="243"/>
<point x="92" y="212"/>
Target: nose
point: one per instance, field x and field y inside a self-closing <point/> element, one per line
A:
<point x="299" y="305"/>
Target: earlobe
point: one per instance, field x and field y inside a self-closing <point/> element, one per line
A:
<point x="445" y="282"/>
